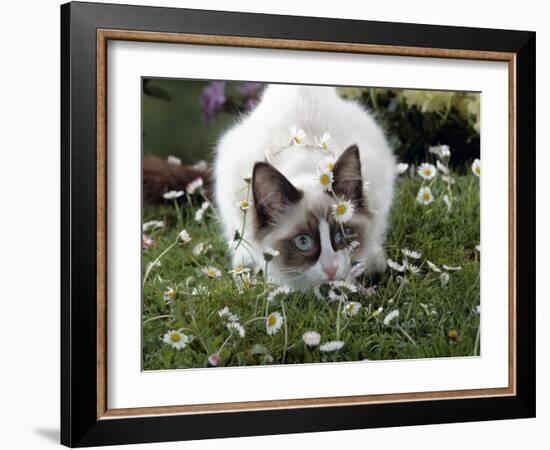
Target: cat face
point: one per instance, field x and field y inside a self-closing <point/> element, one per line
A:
<point x="299" y="222"/>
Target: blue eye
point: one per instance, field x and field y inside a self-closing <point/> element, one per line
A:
<point x="339" y="238"/>
<point x="303" y="242"/>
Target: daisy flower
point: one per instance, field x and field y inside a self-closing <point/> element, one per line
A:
<point x="311" y="338"/>
<point x="411" y="253"/>
<point x="184" y="236"/>
<point x="212" y="272"/>
<point x="351" y="309"/>
<point x="323" y="141"/>
<point x="451" y="268"/>
<point x="325" y="179"/>
<point x="169" y="295"/>
<point x="176" y="339"/>
<point x="239" y="270"/>
<point x="270" y="253"/>
<point x="331" y="346"/>
<point x="411" y="267"/>
<point x="426" y="171"/>
<point x="280" y="291"/>
<point x="476" y="167"/>
<point x="441" y="151"/>
<point x="327" y="164"/>
<point x="213" y="360"/>
<point x="173" y="160"/>
<point x="378" y="312"/>
<point x="273" y="322"/>
<point x="444" y="279"/>
<point x="433" y="267"/>
<point x="152" y="224"/>
<point x="343" y="211"/>
<point x="194" y="185"/>
<point x="392" y="315"/>
<point x="297" y="136"/>
<point x="343" y="285"/>
<point x="235" y="326"/>
<point x="395" y="265"/>
<point x="224" y="313"/>
<point x="172" y="195"/>
<point x="424" y="196"/>
<point x="401" y="168"/>
<point x="244" y="205"/>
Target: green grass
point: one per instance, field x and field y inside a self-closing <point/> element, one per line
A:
<point x="428" y="310"/>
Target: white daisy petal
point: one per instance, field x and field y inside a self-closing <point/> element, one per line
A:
<point x="194" y="185"/>
<point x="171" y="195"/>
<point x="424" y="196"/>
<point x="476" y="167"/>
<point x="401" y="168"/>
<point x="175" y="339"/>
<point x="273" y="322"/>
<point x="392" y="315"/>
<point x="211" y="272"/>
<point x="426" y="171"/>
<point x="331" y="346"/>
<point x="411" y="253"/>
<point x="311" y="338"/>
<point x="343" y="211"/>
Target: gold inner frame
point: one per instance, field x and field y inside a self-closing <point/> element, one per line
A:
<point x="103" y="36"/>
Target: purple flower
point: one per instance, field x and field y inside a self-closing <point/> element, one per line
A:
<point x="212" y="99"/>
<point x="249" y="88"/>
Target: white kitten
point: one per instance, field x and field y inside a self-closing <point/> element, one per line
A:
<point x="290" y="210"/>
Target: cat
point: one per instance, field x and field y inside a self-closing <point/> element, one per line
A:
<point x="273" y="158"/>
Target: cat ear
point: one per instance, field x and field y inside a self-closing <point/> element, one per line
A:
<point x="273" y="193"/>
<point x="348" y="181"/>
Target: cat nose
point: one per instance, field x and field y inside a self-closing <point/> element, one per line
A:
<point x="330" y="272"/>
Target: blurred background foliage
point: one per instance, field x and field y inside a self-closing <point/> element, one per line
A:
<point x="184" y="118"/>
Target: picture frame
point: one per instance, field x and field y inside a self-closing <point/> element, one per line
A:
<point x="86" y="29"/>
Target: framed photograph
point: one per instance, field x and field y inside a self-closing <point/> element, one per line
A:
<point x="276" y="224"/>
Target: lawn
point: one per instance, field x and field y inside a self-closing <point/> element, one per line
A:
<point x="396" y="315"/>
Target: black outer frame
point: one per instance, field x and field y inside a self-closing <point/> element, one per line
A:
<point x="79" y="424"/>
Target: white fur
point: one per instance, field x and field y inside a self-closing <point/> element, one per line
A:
<point x="315" y="110"/>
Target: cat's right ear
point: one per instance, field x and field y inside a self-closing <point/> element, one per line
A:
<point x="273" y="193"/>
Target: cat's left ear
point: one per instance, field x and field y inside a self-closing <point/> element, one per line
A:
<point x="348" y="180"/>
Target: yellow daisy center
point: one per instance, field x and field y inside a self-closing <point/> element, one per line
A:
<point x="330" y="165"/>
<point x="297" y="140"/>
<point x="452" y="334"/>
<point x="238" y="269"/>
<point x="271" y="321"/>
<point x="175" y="337"/>
<point x="341" y="209"/>
<point x="427" y="171"/>
<point x="171" y="293"/>
<point x="478" y="170"/>
<point x="426" y="196"/>
<point x="324" y="179"/>
<point x="211" y="273"/>
<point x="324" y="145"/>
<point x="244" y="204"/>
